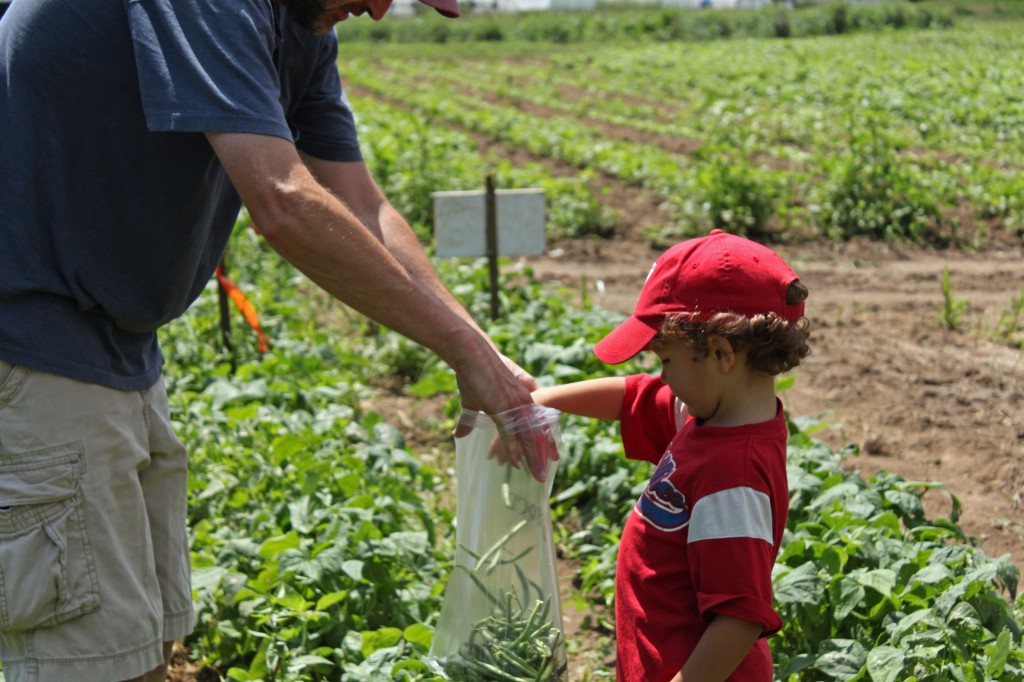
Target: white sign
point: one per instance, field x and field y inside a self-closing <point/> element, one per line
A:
<point x="460" y="222"/>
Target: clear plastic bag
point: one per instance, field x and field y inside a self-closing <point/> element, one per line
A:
<point x="502" y="617"/>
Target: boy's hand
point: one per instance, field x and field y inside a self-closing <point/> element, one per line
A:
<point x="524" y="436"/>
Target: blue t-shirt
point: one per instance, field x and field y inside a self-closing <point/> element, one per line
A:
<point x="114" y="210"/>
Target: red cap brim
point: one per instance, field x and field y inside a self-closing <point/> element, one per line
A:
<point x="449" y="8"/>
<point x="625" y="341"/>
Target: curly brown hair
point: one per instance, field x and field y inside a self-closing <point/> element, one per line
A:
<point x="773" y="344"/>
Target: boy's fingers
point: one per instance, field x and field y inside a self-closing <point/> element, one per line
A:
<point x="524" y="438"/>
<point x="535" y="447"/>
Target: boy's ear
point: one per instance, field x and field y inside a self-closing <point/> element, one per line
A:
<point x="721" y="349"/>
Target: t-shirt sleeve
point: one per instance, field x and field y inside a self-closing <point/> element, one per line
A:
<point x="651" y="416"/>
<point x="207" y="67"/>
<point x="326" y="127"/>
<point x="732" y="554"/>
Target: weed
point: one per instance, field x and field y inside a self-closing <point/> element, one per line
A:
<point x="953" y="308"/>
<point x="1010" y="328"/>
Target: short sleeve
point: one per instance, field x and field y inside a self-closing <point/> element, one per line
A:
<point x="207" y="66"/>
<point x="733" y="577"/>
<point x="651" y="416"/>
<point x="322" y="118"/>
<point x="731" y="545"/>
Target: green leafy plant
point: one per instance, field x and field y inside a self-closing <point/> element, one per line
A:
<point x="953" y="308"/>
<point x="1010" y="328"/>
<point x="735" y="198"/>
<point x="872" y="192"/>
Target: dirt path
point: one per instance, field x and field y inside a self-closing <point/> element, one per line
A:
<point x="916" y="398"/>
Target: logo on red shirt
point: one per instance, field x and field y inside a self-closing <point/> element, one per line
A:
<point x="662" y="505"/>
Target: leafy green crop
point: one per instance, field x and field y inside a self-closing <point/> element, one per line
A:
<point x="869" y="588"/>
<point x="910" y="135"/>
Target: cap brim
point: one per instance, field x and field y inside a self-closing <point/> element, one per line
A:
<point x="449" y="8"/>
<point x="625" y="341"/>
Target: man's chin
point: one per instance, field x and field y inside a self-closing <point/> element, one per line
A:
<point x="321" y="28"/>
<point x="309" y="14"/>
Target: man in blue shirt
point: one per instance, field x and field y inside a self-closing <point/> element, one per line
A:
<point x="133" y="132"/>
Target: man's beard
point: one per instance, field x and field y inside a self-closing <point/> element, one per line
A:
<point x="308" y="14"/>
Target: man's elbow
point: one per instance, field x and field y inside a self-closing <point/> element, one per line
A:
<point x="279" y="212"/>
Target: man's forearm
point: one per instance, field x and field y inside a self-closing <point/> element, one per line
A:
<point x="311" y="224"/>
<point x="402" y="242"/>
<point x="319" y="234"/>
<point x="353" y="184"/>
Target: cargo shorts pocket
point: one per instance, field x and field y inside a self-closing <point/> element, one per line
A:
<point x="47" y="572"/>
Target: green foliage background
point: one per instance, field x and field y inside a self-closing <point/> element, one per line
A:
<point x="901" y="134"/>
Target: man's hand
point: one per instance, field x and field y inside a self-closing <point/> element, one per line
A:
<point x="524" y="427"/>
<point x="525" y="378"/>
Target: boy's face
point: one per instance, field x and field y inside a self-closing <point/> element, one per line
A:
<point x="693" y="377"/>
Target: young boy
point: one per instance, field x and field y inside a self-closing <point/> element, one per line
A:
<point x="693" y="598"/>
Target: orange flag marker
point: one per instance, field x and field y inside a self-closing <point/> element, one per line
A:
<point x="247" y="308"/>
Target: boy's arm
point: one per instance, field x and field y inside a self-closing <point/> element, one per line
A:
<point x="596" y="398"/>
<point x="722" y="647"/>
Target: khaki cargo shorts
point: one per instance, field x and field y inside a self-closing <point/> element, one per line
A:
<point x="94" y="560"/>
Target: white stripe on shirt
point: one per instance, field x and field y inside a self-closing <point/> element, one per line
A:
<point x="733" y="513"/>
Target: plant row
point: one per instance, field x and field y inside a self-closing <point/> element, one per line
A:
<point x="639" y="22"/>
<point x="413" y="156"/>
<point x="913" y="136"/>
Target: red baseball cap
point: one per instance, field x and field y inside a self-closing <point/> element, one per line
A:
<point x="704" y="276"/>
<point x="449" y="8"/>
<point x="378" y="8"/>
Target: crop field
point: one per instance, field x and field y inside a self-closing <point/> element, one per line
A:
<point x="911" y="135"/>
<point x="321" y="491"/>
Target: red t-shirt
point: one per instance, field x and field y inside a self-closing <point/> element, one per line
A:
<point x="703" y="537"/>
